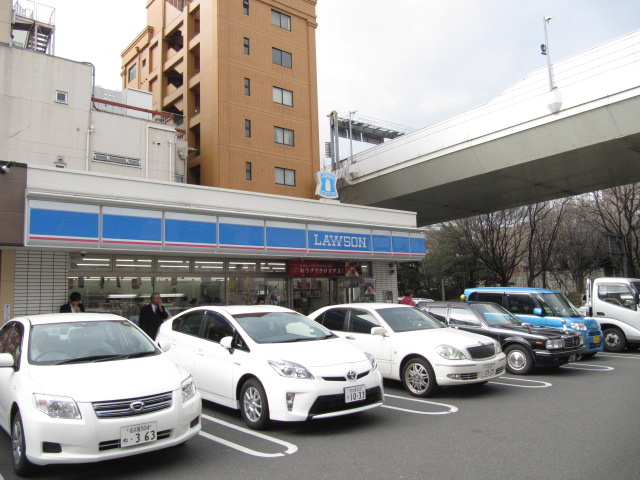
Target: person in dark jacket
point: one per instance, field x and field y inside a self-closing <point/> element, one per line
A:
<point x="74" y="305"/>
<point x="152" y="316"/>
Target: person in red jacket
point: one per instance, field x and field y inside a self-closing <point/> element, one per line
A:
<point x="408" y="298"/>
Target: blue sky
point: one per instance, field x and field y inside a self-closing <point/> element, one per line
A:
<point x="410" y="62"/>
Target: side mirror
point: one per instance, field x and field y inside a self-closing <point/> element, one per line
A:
<point x="6" y="360"/>
<point x="227" y="342"/>
<point x="537" y="311"/>
<point x="378" y="331"/>
<point x="164" y="345"/>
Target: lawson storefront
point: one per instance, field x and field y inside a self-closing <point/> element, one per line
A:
<point x="203" y="246"/>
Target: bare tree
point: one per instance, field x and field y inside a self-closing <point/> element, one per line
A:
<point x="544" y="221"/>
<point x="497" y="240"/>
<point x="618" y="217"/>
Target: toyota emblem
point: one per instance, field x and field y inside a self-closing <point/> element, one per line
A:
<point x="136" y="406"/>
<point x="351" y="375"/>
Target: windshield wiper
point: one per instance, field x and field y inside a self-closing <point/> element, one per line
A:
<point x="104" y="358"/>
<point x="306" y="339"/>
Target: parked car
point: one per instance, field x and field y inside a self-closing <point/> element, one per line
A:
<point x="414" y="347"/>
<point x="271" y="363"/>
<point x="79" y="388"/>
<point x="545" y="308"/>
<point x="525" y="346"/>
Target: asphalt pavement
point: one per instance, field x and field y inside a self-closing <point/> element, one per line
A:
<point x="579" y="421"/>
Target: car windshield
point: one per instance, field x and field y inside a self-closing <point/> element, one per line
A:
<point x="281" y="327"/>
<point x="560" y="305"/>
<point x="408" y="319"/>
<point x="80" y="342"/>
<point x="494" y="315"/>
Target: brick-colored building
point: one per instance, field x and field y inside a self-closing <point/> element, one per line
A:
<point x="243" y="73"/>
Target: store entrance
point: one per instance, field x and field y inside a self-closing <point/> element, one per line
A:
<point x="348" y="290"/>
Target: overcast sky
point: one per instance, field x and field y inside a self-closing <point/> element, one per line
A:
<point x="409" y="62"/>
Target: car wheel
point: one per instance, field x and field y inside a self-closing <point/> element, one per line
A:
<point x="614" y="340"/>
<point x="519" y="360"/>
<point x="418" y="377"/>
<point x="21" y="464"/>
<point x="254" y="405"/>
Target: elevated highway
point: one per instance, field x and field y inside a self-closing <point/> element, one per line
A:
<point x="528" y="144"/>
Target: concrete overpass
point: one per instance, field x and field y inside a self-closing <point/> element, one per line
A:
<point x="526" y="145"/>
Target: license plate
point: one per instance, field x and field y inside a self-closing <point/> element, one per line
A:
<point x="489" y="370"/>
<point x="138" y="434"/>
<point x="596" y="339"/>
<point x="355" y="394"/>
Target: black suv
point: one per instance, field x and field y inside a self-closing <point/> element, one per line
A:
<point x="524" y="345"/>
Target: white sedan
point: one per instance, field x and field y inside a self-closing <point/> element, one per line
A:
<point x="414" y="347"/>
<point x="271" y="363"/>
<point x="79" y="388"/>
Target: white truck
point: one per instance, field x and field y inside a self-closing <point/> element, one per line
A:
<point x="613" y="302"/>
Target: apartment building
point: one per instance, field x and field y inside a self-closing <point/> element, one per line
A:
<point x="243" y="74"/>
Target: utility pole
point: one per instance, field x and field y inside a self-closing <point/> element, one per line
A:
<point x="351" y="137"/>
<point x="545" y="50"/>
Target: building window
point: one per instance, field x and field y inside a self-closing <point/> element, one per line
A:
<point x="247" y="128"/>
<point x="280" y="20"/>
<point x="285" y="176"/>
<point x="245" y="7"/>
<point x="280" y="57"/>
<point x="246" y="46"/>
<point x="132" y="72"/>
<point x="247" y="86"/>
<point x="282" y="96"/>
<point x="283" y="136"/>
<point x="247" y="171"/>
<point x="62" y="97"/>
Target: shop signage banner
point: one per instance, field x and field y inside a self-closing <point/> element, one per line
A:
<point x="302" y="268"/>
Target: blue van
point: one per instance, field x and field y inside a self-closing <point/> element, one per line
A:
<point x="543" y="307"/>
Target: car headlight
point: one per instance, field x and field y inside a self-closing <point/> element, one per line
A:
<point x="290" y="370"/>
<point x="57" y="407"/>
<point x="450" y="353"/>
<point x="578" y="326"/>
<point x="188" y="388"/>
<point x="372" y="359"/>
<point x="552" y="344"/>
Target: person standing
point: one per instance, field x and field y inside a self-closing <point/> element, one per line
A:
<point x="74" y="305"/>
<point x="152" y="316"/>
<point x="408" y="298"/>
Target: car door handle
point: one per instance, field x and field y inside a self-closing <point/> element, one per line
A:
<point x="199" y="351"/>
<point x="349" y="337"/>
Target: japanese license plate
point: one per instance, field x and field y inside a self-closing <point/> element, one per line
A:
<point x="355" y="394"/>
<point x="138" y="434"/>
<point x="488" y="370"/>
<point x="596" y="339"/>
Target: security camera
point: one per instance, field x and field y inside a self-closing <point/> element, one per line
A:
<point x="5" y="168"/>
<point x="83" y="253"/>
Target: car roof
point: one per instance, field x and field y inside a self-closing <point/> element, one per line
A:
<point x="48" y="318"/>
<point x="374" y="305"/>
<point x="511" y="289"/>
<point x="240" y="309"/>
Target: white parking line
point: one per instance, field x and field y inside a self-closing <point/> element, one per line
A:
<point x="291" y="448"/>
<point x="541" y="383"/>
<point x="618" y="355"/>
<point x="588" y="366"/>
<point x="451" y="408"/>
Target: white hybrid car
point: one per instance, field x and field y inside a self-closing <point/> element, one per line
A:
<point x="79" y="388"/>
<point x="271" y="363"/>
<point x="412" y="346"/>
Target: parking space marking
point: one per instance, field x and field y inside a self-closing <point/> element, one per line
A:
<point x="540" y="383"/>
<point x="618" y="355"/>
<point x="588" y="366"/>
<point x="291" y="448"/>
<point x="451" y="408"/>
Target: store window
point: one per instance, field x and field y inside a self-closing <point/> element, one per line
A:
<point x="139" y="264"/>
<point x="174" y="265"/>
<point x="206" y="265"/>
